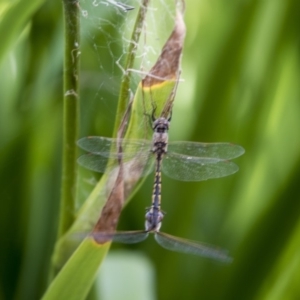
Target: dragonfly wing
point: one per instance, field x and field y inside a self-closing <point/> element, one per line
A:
<point x="107" y="147"/>
<point x="93" y="162"/>
<point x="209" y="150"/>
<point x="125" y="237"/>
<point x="140" y="165"/>
<point x="191" y="168"/>
<point x="176" y="244"/>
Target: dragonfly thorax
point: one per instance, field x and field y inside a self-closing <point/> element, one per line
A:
<point x="154" y="218"/>
<point x="160" y="136"/>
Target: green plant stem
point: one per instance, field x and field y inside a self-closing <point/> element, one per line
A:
<point x="125" y="85"/>
<point x="70" y="118"/>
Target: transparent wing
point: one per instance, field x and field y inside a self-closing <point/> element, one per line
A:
<point x="141" y="165"/>
<point x="125" y="237"/>
<point x="191" y="168"/>
<point x="208" y="150"/>
<point x="176" y="244"/>
<point x="107" y="147"/>
<point x="136" y="155"/>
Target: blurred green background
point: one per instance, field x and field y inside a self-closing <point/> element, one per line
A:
<point x="241" y="84"/>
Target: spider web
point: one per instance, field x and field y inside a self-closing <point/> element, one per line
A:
<point x="106" y="30"/>
<point x="105" y="38"/>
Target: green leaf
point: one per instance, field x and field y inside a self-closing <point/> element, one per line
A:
<point x="77" y="276"/>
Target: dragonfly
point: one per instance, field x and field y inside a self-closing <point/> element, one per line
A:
<point x="187" y="161"/>
<point x="154" y="217"/>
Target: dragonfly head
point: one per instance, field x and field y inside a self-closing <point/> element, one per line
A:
<point x="153" y="219"/>
<point x="161" y="125"/>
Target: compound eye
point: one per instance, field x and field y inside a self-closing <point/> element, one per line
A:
<point x="149" y="216"/>
<point x="149" y="221"/>
<point x="160" y="216"/>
